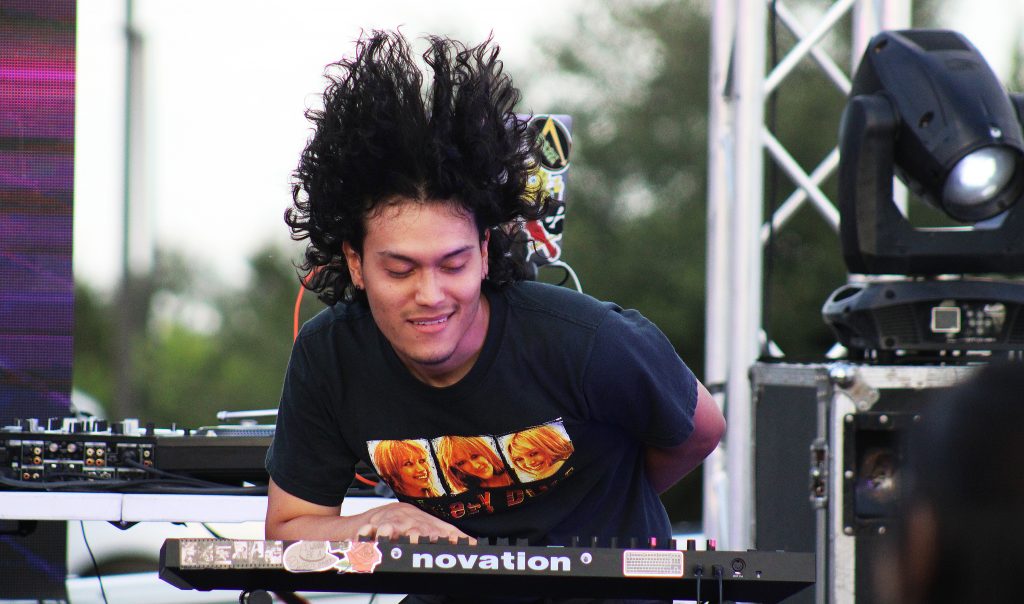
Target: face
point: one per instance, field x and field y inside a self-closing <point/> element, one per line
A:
<point x="531" y="459"/>
<point x="414" y="472"/>
<point x="422" y="266"/>
<point x="475" y="465"/>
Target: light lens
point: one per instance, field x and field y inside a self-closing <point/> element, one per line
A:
<point x="977" y="179"/>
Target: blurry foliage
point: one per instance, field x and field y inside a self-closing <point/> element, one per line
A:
<point x="203" y="351"/>
<point x="636" y="190"/>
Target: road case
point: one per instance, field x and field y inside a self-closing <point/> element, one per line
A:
<point x="827" y="462"/>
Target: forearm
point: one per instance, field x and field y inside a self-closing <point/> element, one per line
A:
<point x="317" y="527"/>
<point x="665" y="467"/>
<point x="290" y="518"/>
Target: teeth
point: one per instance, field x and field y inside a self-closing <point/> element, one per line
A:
<point x="441" y="320"/>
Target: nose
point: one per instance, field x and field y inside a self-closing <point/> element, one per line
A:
<point x="429" y="290"/>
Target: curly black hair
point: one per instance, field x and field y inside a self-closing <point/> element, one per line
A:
<point x="381" y="137"/>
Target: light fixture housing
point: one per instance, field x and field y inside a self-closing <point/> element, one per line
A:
<point x="926" y="107"/>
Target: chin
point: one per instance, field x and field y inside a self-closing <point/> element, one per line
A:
<point x="429" y="359"/>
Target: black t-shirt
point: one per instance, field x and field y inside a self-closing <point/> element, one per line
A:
<point x="543" y="439"/>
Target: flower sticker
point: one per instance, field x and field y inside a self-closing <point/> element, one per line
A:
<point x="364" y="556"/>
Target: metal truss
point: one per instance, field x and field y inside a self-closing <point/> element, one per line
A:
<point x="738" y="142"/>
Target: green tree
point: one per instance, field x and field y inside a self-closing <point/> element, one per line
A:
<point x="93" y="345"/>
<point x="205" y="349"/>
<point x="635" y="197"/>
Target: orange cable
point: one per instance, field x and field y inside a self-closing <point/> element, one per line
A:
<point x="295" y="315"/>
<point x="365" y="480"/>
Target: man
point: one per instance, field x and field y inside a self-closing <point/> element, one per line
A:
<point x="412" y="203"/>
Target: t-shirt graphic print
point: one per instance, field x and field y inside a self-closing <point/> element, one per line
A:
<point x="453" y="476"/>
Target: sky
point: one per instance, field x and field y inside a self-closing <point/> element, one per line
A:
<point x="224" y="86"/>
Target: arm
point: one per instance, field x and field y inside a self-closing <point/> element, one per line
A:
<point x="292" y="518"/>
<point x="666" y="466"/>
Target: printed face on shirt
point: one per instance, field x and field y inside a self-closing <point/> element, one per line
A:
<point x="471" y="462"/>
<point x="539" y="452"/>
<point x="534" y="460"/>
<point x="414" y="473"/>
<point x="475" y="465"/>
<point x="406" y="466"/>
<point x="421" y="266"/>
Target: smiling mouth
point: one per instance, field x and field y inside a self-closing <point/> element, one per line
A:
<point x="431" y="322"/>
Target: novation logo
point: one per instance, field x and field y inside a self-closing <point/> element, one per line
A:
<point x="516" y="561"/>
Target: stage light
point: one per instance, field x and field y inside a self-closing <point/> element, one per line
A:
<point x="927" y="107"/>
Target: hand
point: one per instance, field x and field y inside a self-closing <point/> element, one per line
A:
<point x="395" y="520"/>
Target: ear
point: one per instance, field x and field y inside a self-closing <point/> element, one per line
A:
<point x="483" y="254"/>
<point x="355" y="265"/>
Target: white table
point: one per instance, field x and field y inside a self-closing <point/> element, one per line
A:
<point x="144" y="507"/>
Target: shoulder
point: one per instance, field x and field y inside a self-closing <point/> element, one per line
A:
<point x="343" y="315"/>
<point x="557" y="303"/>
<point x="334" y="316"/>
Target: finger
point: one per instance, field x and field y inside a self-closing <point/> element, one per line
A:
<point x="365" y="530"/>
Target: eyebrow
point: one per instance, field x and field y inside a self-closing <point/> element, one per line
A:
<point x="410" y="260"/>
